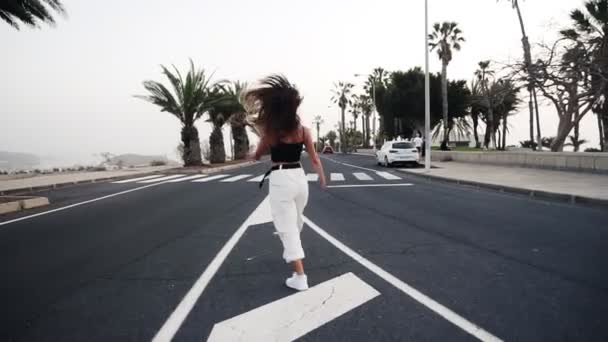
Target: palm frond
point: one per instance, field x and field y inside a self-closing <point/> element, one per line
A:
<point x="30" y="12"/>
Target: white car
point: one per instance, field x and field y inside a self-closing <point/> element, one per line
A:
<point x="394" y="152"/>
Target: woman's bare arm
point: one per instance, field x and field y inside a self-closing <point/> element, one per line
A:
<point x="314" y="157"/>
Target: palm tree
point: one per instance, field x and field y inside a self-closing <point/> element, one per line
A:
<point x="318" y="121"/>
<point x="477" y="109"/>
<point x="445" y="39"/>
<point x="592" y="28"/>
<point x="342" y="96"/>
<point x="376" y="83"/>
<point x="233" y="111"/>
<point x="483" y="74"/>
<point x="191" y="99"/>
<point x="355" y="110"/>
<point x="30" y="12"/>
<point x="366" y="106"/>
<point x="532" y="102"/>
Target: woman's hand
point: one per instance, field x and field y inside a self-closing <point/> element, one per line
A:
<point x="322" y="183"/>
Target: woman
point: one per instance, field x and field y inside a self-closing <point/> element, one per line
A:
<point x="276" y="102"/>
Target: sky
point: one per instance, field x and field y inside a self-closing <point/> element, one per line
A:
<point x="67" y="92"/>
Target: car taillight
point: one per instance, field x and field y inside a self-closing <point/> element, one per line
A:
<point x="393" y="151"/>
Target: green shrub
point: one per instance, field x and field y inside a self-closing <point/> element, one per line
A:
<point x="158" y="163"/>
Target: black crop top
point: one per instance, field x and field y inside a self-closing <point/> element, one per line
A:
<point x="286" y="152"/>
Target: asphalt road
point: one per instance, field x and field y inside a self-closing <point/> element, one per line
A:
<point x="115" y="268"/>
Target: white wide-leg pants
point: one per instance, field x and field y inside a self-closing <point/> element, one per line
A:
<point x="288" y="193"/>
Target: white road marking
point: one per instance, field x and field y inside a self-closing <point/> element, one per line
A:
<point x="421" y="298"/>
<point x="312" y="177"/>
<point x="368" y="185"/>
<point x="337" y="177"/>
<point x="292" y="317"/>
<point x="208" y="179"/>
<point x="183" y="179"/>
<point x="355" y="166"/>
<point x="387" y="175"/>
<point x="136" y="179"/>
<point x="168" y="330"/>
<point x="162" y="179"/>
<point x="362" y="176"/>
<point x="235" y="178"/>
<point x="79" y="204"/>
<point x="256" y="179"/>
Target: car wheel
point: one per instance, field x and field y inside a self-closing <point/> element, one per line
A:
<point x="386" y="163"/>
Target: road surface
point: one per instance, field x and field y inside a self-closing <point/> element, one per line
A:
<point x="405" y="259"/>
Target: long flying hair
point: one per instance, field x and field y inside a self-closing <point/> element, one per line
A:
<point x="276" y="104"/>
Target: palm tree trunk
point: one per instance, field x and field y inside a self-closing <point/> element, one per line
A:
<point x="475" y="134"/>
<point x="367" y="129"/>
<point x="192" y="146"/>
<point x="216" y="145"/>
<point x="575" y="143"/>
<point x="504" y="133"/>
<point x="605" y="129"/>
<point x="444" y="98"/>
<point x="600" y="129"/>
<point x="355" y="123"/>
<point x="241" y="141"/>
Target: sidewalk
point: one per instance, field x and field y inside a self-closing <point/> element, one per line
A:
<point x="575" y="187"/>
<point x="54" y="180"/>
<point x="29" y="184"/>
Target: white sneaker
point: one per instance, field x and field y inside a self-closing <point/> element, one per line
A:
<point x="297" y="282"/>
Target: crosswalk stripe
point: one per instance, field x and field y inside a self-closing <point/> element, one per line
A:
<point x="136" y="179"/>
<point x="183" y="179"/>
<point x="312" y="177"/>
<point x="235" y="178"/>
<point x="256" y="179"/>
<point x="208" y="179"/>
<point x="154" y="180"/>
<point x="337" y="177"/>
<point x="362" y="176"/>
<point x="387" y="175"/>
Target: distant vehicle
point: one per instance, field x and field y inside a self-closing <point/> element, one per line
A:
<point x="397" y="152"/>
<point x="328" y="150"/>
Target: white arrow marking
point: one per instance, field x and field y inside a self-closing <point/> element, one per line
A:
<point x="294" y="316"/>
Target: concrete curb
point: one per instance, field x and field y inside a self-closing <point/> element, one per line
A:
<point x="27" y="190"/>
<point x="546" y="195"/>
<point x="23" y="203"/>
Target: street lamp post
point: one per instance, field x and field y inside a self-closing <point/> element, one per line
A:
<point x="427" y="93"/>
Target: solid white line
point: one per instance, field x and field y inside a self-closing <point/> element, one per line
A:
<point x="312" y="177"/>
<point x="208" y="179"/>
<point x="179" y="315"/>
<point x="368" y="185"/>
<point x="337" y="177"/>
<point x="136" y="179"/>
<point x="292" y="317"/>
<point x="387" y="175"/>
<point x="362" y="176"/>
<point x="421" y="298"/>
<point x="186" y="178"/>
<point x="79" y="204"/>
<point x="256" y="179"/>
<point x="160" y="179"/>
<point x="235" y="178"/>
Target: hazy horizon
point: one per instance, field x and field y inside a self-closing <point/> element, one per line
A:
<point x="67" y="91"/>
